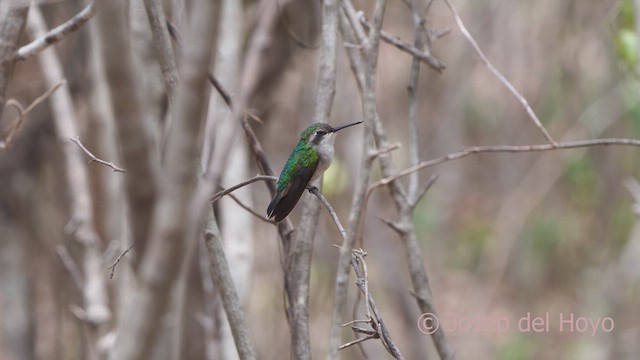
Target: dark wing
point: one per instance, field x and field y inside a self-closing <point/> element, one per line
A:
<point x="286" y="200"/>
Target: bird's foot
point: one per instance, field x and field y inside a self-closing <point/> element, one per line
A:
<point x="313" y="189"/>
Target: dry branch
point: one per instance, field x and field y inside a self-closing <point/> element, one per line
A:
<point x="364" y="64"/>
<point x="498" y="75"/>
<point x="56" y="34"/>
<point x="81" y="225"/>
<point x="93" y="158"/>
<point x="377" y="324"/>
<point x="505" y="149"/>
<point x="22" y="114"/>
<point x="415" y="51"/>
<point x="417" y="270"/>
<point x="12" y="21"/>
<point x="162" y="45"/>
<point x="171" y="218"/>
<point x="133" y="133"/>
<point x="224" y="284"/>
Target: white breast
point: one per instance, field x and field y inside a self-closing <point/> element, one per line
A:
<point x="325" y="151"/>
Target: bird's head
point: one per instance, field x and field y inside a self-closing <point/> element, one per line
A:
<point x="320" y="133"/>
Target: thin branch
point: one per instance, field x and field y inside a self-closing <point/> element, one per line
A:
<point x="423" y="191"/>
<point x="113" y="266"/>
<point x="221" y="90"/>
<point x="376" y="322"/>
<point x="93" y="158"/>
<point x="364" y="67"/>
<point x="357" y="341"/>
<point x="250" y="210"/>
<point x="56" y="34"/>
<point x="95" y="299"/>
<point x="314" y="190"/>
<point x="503" y="80"/>
<point x="422" y="55"/>
<point x="22" y="114"/>
<point x="162" y="44"/>
<point x="71" y="266"/>
<point x="224" y="192"/>
<point x="393" y="225"/>
<point x="221" y="274"/>
<point x="412" y="90"/>
<point x="294" y="37"/>
<point x="506" y="149"/>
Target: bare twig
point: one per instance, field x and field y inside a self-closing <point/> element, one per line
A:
<point x="503" y="80"/>
<point x="224" y="192"/>
<point x="250" y="210"/>
<point x="22" y="114"/>
<point x="14" y="16"/>
<point x="506" y="149"/>
<point x="173" y="220"/>
<point x="162" y="45"/>
<point x="376" y="322"/>
<point x="95" y="299"/>
<point x="226" y="288"/>
<point x="357" y="341"/>
<point x="412" y="90"/>
<point x="332" y="212"/>
<point x="71" y="266"/>
<point x="364" y="64"/>
<point x="416" y="52"/>
<point x="113" y="266"/>
<point x="292" y="34"/>
<point x="56" y="34"/>
<point x="93" y="158"/>
<point x="423" y="191"/>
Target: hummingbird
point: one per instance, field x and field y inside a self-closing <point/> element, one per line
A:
<point x="310" y="158"/>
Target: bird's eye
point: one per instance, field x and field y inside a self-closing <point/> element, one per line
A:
<point x="321" y="132"/>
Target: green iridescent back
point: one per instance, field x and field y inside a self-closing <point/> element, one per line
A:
<point x="303" y="155"/>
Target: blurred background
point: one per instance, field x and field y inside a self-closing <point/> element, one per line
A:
<point x="552" y="235"/>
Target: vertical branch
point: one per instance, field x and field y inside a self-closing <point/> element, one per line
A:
<point x="96" y="310"/>
<point x="364" y="64"/>
<point x="417" y="271"/>
<point x="162" y="45"/>
<point x="224" y="284"/>
<point x="159" y="268"/>
<point x="299" y="259"/>
<point x="134" y="135"/>
<point x="412" y="90"/>
<point x="237" y="228"/>
<point x="12" y="21"/>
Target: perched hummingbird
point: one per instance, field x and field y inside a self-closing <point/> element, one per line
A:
<point x="311" y="157"/>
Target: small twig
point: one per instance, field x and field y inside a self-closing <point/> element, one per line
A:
<point x="115" y="263"/>
<point x="314" y="190"/>
<point x="224" y="192"/>
<point x="423" y="191"/>
<point x="357" y="341"/>
<point x="356" y="322"/>
<point x="376" y="322"/>
<point x="393" y="225"/>
<point x="220" y="89"/>
<point x="505" y="149"/>
<point x="22" y="114"/>
<point x="56" y="34"/>
<point x="94" y="158"/>
<point x="503" y="80"/>
<point x="71" y="266"/>
<point x="250" y="210"/>
<point x="296" y="39"/>
<point x="377" y="152"/>
<point x="424" y="56"/>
